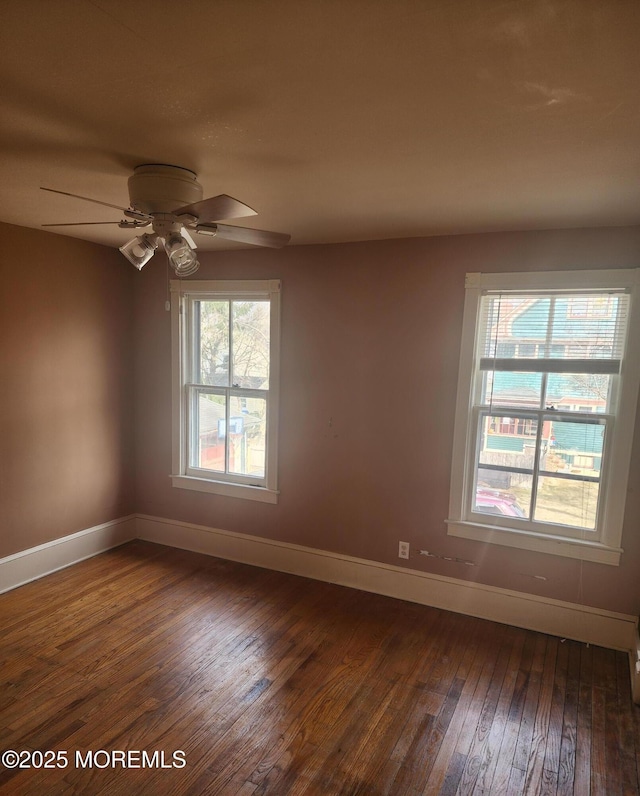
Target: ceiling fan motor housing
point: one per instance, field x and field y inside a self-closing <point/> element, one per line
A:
<point x="159" y="188"/>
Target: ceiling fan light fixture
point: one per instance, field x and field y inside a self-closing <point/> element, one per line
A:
<point x="140" y="250"/>
<point x="181" y="256"/>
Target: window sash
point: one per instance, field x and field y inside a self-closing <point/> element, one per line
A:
<point x="192" y="393"/>
<point x="536" y="471"/>
<point x="193" y="309"/>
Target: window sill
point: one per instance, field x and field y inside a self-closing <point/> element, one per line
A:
<point x="526" y="540"/>
<point x="243" y="491"/>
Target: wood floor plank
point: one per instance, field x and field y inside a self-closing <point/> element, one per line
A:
<point x="503" y="776"/>
<point x="629" y="751"/>
<point x="465" y="715"/>
<point x="490" y="755"/>
<point x="527" y="722"/>
<point x="273" y="685"/>
<point x="425" y="743"/>
<point x="480" y="738"/>
<point x="582" y="780"/>
<point x="553" y="743"/>
<point x="567" y="760"/>
<point x="612" y="769"/>
<point x="535" y="773"/>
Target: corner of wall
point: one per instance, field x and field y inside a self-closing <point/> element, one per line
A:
<point x="634" y="661"/>
<point x="36" y="562"/>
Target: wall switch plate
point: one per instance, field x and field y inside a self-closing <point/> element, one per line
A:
<point x="403" y="549"/>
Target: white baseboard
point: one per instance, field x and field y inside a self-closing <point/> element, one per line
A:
<point x="563" y="619"/>
<point x="34" y="563"/>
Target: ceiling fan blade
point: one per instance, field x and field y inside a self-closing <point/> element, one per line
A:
<point x="130" y="213"/>
<point x="256" y="237"/>
<point x="122" y="224"/>
<point x="216" y="207"/>
<point x="80" y="224"/>
<point x="86" y="198"/>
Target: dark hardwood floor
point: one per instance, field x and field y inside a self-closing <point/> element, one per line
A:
<point x="273" y="684"/>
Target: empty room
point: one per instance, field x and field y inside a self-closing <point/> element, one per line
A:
<point x="320" y="448"/>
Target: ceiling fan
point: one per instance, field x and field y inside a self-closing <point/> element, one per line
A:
<point x="169" y="200"/>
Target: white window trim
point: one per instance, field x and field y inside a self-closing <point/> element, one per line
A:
<point x="607" y="549"/>
<point x="181" y="292"/>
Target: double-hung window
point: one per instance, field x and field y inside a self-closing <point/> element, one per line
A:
<point x="547" y="399"/>
<point x="225" y="338"/>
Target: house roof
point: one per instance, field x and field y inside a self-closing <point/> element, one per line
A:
<point x="337" y="121"/>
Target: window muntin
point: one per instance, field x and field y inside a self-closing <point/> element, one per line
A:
<point x="543" y="449"/>
<point x="225" y="411"/>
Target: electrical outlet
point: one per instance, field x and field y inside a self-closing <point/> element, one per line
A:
<point x="403" y="549"/>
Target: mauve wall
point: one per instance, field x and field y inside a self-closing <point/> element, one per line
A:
<point x="370" y="344"/>
<point x="66" y="444"/>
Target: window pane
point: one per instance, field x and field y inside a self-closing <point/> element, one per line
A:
<point x="512" y="389"/>
<point x="208" y="432"/>
<point x="571" y="448"/>
<point x="251" y="327"/>
<point x="504" y="493"/>
<point x="579" y="392"/>
<point x="247" y="436"/>
<point x="212" y="352"/>
<point x="508" y="441"/>
<point x="567" y="502"/>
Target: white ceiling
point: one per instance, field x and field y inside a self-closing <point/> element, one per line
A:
<point x="337" y="120"/>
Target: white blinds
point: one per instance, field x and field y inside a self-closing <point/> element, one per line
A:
<point x="553" y="332"/>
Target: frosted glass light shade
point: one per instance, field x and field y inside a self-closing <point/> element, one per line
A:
<point x="181" y="256"/>
<point x="140" y="250"/>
